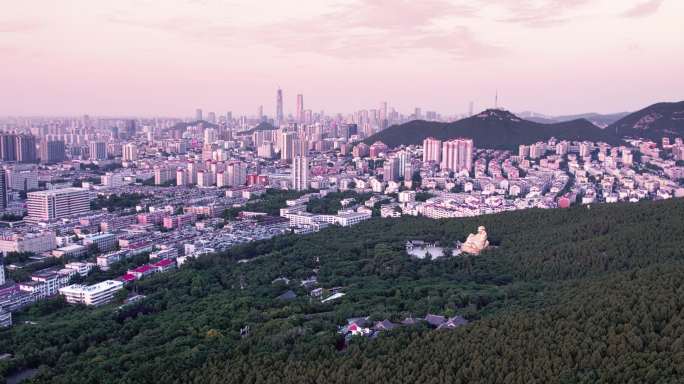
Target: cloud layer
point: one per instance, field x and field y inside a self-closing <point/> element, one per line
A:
<point x="643" y="9"/>
<point x="171" y="56"/>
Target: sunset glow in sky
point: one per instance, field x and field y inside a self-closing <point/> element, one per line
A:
<point x="167" y="57"/>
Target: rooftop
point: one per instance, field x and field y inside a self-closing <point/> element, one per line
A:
<point x="55" y="192"/>
<point x="101" y="286"/>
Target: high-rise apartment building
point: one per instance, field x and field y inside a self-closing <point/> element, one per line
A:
<point x="130" y="128"/>
<point x="163" y="174"/>
<point x="52" y="151"/>
<point x="3" y="191"/>
<point x="98" y="150"/>
<point x="391" y="169"/>
<point x="198" y="114"/>
<point x="300" y="173"/>
<point x="26" y="149"/>
<point x="21" y="148"/>
<point x="8" y="147"/>
<point x="210" y="136"/>
<point x="457" y="155"/>
<point x="235" y="174"/>
<point x="287" y="145"/>
<point x="130" y="152"/>
<point x="432" y="150"/>
<point x="182" y="177"/>
<point x="57" y="203"/>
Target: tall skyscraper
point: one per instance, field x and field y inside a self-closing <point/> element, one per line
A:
<point x="279" y="108"/>
<point x="383" y="111"/>
<point x="457" y="155"/>
<point x="198" y="114"/>
<point x="52" y="152"/>
<point x="212" y="117"/>
<point x="432" y="150"/>
<point x="300" y="108"/>
<point x="260" y="113"/>
<point x="300" y="173"/>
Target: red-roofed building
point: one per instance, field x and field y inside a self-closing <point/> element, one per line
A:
<point x="142" y="271"/>
<point x="127" y="278"/>
<point x="164" y="265"/>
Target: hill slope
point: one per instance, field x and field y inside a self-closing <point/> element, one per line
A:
<point x="494" y="129"/>
<point x="260" y="127"/>
<point x="653" y="122"/>
<point x="182" y="126"/>
<point x="598" y="119"/>
<point x="575" y="295"/>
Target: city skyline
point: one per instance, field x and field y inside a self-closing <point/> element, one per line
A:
<point x="438" y="55"/>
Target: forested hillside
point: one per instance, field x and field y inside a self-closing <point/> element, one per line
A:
<point x="564" y="296"/>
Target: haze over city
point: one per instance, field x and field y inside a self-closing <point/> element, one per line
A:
<point x="165" y="58"/>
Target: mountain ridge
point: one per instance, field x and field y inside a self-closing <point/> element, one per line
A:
<point x="501" y="129"/>
<point x="665" y="119"/>
<point x="492" y="128"/>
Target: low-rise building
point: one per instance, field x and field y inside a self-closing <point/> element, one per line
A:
<point x="70" y="251"/>
<point x="97" y="294"/>
<point x="36" y="242"/>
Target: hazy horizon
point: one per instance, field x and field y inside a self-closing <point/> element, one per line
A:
<point x="166" y="58"/>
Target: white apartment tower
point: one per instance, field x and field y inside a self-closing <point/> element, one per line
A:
<point x="130" y="152"/>
<point x="300" y="173"/>
<point x="235" y="174"/>
<point x="432" y="150"/>
<point x="457" y="155"/>
<point x="98" y="150"/>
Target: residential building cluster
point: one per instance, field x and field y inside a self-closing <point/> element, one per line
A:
<point x="99" y="191"/>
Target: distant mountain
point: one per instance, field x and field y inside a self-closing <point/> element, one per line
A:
<point x="184" y="125"/>
<point x="261" y="127"/>
<point x="653" y="122"/>
<point x="598" y="119"/>
<point x="493" y="128"/>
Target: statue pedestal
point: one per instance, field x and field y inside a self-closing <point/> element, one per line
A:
<point x="476" y="242"/>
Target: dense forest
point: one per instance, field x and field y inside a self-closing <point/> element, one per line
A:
<point x="583" y="295"/>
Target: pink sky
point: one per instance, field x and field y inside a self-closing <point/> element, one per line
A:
<point x="168" y="57"/>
